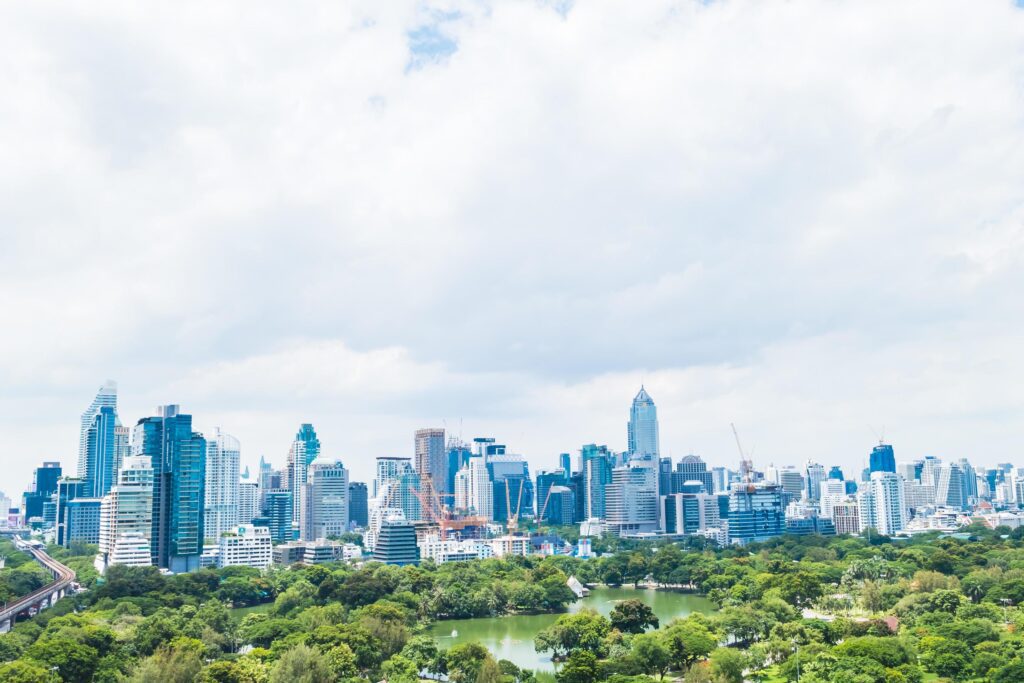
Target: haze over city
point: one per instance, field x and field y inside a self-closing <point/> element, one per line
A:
<point x="503" y="219"/>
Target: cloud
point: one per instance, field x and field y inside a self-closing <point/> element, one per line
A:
<point x="802" y="217"/>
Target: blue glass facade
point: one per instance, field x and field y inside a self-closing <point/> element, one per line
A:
<point x="178" y="457"/>
<point x="458" y="457"/>
<point x="642" y="432"/>
<point x="756" y="513"/>
<point x="278" y="515"/>
<point x="100" y="461"/>
<point x="882" y="459"/>
<point x="307" y="435"/>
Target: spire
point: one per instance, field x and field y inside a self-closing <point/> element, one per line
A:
<point x="642" y="396"/>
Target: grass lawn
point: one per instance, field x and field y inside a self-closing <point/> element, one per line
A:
<point x="239" y="612"/>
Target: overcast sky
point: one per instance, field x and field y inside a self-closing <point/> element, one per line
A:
<point x="806" y="218"/>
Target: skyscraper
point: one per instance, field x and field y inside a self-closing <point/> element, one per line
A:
<point x="358" y="504"/>
<point x="44" y="485"/>
<point x="693" y="468"/>
<point x="565" y="462"/>
<point x="882" y="503"/>
<point x="458" y="457"/>
<point x="388" y="469"/>
<point x="643" y="427"/>
<point x="304" y="450"/>
<point x="512" y="488"/>
<point x="815" y="475"/>
<point x="631" y="499"/>
<point x="951" y="489"/>
<point x="473" y="491"/>
<point x="756" y="513"/>
<point x="882" y="459"/>
<point x="178" y="457"/>
<point x="106" y="397"/>
<point x="325" y="501"/>
<point x="221" y="505"/>
<point x="126" y="517"/>
<point x="597" y="474"/>
<point x="431" y="459"/>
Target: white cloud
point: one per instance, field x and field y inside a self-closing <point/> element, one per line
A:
<point x="804" y="217"/>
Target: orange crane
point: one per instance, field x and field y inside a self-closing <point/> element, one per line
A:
<point x="437" y="512"/>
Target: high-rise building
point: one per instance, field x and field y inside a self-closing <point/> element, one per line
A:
<point x="833" y="492"/>
<point x="102" y="449"/>
<point x="693" y="468"/>
<point x="642" y="431"/>
<point x="277" y="515"/>
<point x="951" y="489"/>
<point x="248" y="501"/>
<point x="597" y="474"/>
<point x="126" y="517"/>
<point x="882" y="459"/>
<point x="846" y="518"/>
<point x="358" y="504"/>
<point x="304" y="450"/>
<point x="631" y="499"/>
<point x="836" y="472"/>
<point x="815" y="475"/>
<point x="792" y="482"/>
<point x="720" y="478"/>
<point x="44" y="485"/>
<point x="883" y="504"/>
<point x="100" y="452"/>
<point x="756" y="512"/>
<point x="689" y="513"/>
<point x="565" y="462"/>
<point x="545" y="482"/>
<point x="432" y="459"/>
<point x="561" y="506"/>
<point x="388" y="469"/>
<point x="82" y="521"/>
<point x="68" y="489"/>
<point x="511" y="486"/>
<point x="325" y="501"/>
<point x="474" y="493"/>
<point x="930" y="471"/>
<point x="664" y="476"/>
<point x="458" y="457"/>
<point x="970" y="481"/>
<point x="221" y="504"/>
<point x="178" y="457"/>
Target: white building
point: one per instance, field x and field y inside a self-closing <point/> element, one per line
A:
<point x="325" y="501"/>
<point x="883" y="504"/>
<point x="846" y="518"/>
<point x="248" y="500"/>
<point x="510" y="545"/>
<point x="473" y="491"/>
<point x="245" y="546"/>
<point x="631" y="499"/>
<point x="377" y="518"/>
<point x="388" y="470"/>
<point x="126" y="516"/>
<point x="220" y="505"/>
<point x="833" y="492"/>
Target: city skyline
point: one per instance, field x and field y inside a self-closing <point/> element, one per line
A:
<point x="398" y="226"/>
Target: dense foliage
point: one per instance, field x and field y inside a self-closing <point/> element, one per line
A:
<point x="839" y="610"/>
<point x="21" y="574"/>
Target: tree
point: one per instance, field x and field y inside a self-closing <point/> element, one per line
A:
<point x="301" y="664"/>
<point x="581" y="667"/>
<point x="24" y="672"/>
<point x="73" y="660"/>
<point x="490" y="672"/>
<point x="727" y="665"/>
<point x="464" y="661"/>
<point x="650" y="654"/>
<point x="169" y="665"/>
<point x="584" y="630"/>
<point x="688" y="641"/>
<point x="633" y="616"/>
<point x="400" y="669"/>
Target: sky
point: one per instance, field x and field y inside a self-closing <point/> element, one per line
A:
<point x="804" y="218"/>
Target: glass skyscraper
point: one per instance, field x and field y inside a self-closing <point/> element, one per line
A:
<point x="178" y="457"/>
<point x="98" y="448"/>
<point x="882" y="459"/>
<point x="643" y="428"/>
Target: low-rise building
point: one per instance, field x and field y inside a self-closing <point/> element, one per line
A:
<point x="246" y="546"/>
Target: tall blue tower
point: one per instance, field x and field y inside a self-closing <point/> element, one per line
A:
<point x="882" y="459"/>
<point x="178" y="457"/>
<point x="97" y="455"/>
<point x="643" y="428"/>
<point x="307" y="435"/>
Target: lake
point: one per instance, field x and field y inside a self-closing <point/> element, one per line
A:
<point x="511" y="637"/>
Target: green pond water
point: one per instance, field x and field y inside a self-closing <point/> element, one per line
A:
<point x="511" y="637"/>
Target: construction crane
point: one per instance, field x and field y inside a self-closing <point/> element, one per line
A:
<point x="746" y="466"/>
<point x="513" y="517"/>
<point x="435" y="511"/>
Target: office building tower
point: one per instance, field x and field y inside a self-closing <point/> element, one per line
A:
<point x="431" y="462"/>
<point x="277" y="515"/>
<point x="970" y="481"/>
<point x="883" y="503"/>
<point x="815" y="475"/>
<point x="545" y="481"/>
<point x="664" y="476"/>
<point x="122" y="445"/>
<point x="951" y="488"/>
<point x="756" y="512"/>
<point x="485" y="446"/>
<point x="846" y="518"/>
<point x="221" y="504"/>
<point x="396" y="543"/>
<point x="126" y="517"/>
<point x="930" y="471"/>
<point x="304" y="450"/>
<point x="178" y="458"/>
<point x="918" y="495"/>
<point x="720" y="477"/>
<point x="642" y="430"/>
<point x="245" y="545"/>
<point x="690" y="513"/>
<point x="882" y="459"/>
<point x="836" y="472"/>
<point x="44" y="485"/>
<point x="388" y="469"/>
<point x="561" y="506"/>
<point x="68" y="489"/>
<point x="103" y="458"/>
<point x="325" y="501"/>
<point x="693" y="468"/>
<point x="82" y="521"/>
<point x="833" y="492"/>
<point x="597" y="462"/>
<point x="358" y="505"/>
<point x="474" y="493"/>
<point x="792" y="482"/>
<point x="631" y="499"/>
<point x="403" y="492"/>
<point x="577" y="482"/>
<point x="511" y="487"/>
<point x="97" y="469"/>
<point x="565" y="462"/>
<point x="248" y="501"/>
<point x="458" y="457"/>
